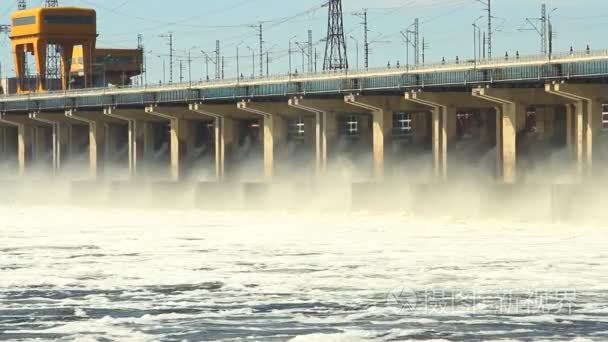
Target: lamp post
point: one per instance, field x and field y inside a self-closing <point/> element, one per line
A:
<point x="164" y="69"/>
<point x="550" y="33"/>
<point x="189" y="54"/>
<point x="252" y="61"/>
<point x="289" y="52"/>
<point x="357" y="49"/>
<point x="207" y="58"/>
<point x="476" y="40"/>
<point x="105" y="69"/>
<point x="268" y="59"/>
<point x="238" y="65"/>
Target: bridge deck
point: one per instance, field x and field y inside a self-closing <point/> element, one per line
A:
<point x="524" y="70"/>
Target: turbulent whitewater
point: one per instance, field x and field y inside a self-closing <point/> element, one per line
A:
<point x="158" y="275"/>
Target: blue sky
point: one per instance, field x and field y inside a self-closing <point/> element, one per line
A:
<point x="447" y="28"/>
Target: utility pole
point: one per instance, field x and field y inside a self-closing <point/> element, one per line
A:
<point x="303" y="49"/>
<point x="169" y="38"/>
<point x="181" y="71"/>
<point x="310" y="56"/>
<point x="190" y="67"/>
<point x="363" y="15"/>
<point x="252" y="61"/>
<point x="356" y="51"/>
<point x="267" y="64"/>
<point x="336" y="57"/>
<point x="488" y="4"/>
<point x="543" y="35"/>
<point x="289" y="51"/>
<point x="207" y="60"/>
<point x="425" y="46"/>
<point x="484" y="45"/>
<point x="217" y="60"/>
<point x="412" y="31"/>
<point x="261" y="37"/>
<point x="416" y="41"/>
<point x="140" y="47"/>
<point x="550" y="33"/>
<point x="238" y="64"/>
<point x="543" y="27"/>
<point x="223" y="67"/>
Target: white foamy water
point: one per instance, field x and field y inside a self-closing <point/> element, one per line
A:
<point x="152" y="275"/>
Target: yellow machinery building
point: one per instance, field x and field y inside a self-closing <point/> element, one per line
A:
<point x="110" y="66"/>
<point x="74" y="32"/>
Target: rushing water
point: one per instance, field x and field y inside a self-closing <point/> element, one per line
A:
<point x="128" y="275"/>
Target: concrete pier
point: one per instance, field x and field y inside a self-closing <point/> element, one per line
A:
<point x="326" y="125"/>
<point x="101" y="139"/>
<point x="224" y="130"/>
<point x="182" y="138"/>
<point x="275" y="131"/>
<point x="381" y="110"/>
<point x="25" y="141"/>
<point x="584" y="103"/>
<point x="140" y="137"/>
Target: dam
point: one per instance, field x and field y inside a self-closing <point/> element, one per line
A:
<point x="508" y="111"/>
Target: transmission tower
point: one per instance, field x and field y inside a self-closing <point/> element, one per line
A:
<point x="335" y="47"/>
<point x="53" y="54"/>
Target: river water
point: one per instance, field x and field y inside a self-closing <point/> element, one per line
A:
<point x="158" y="275"/>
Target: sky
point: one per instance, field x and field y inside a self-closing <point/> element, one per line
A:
<point x="446" y="26"/>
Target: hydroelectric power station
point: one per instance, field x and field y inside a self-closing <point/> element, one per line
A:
<point x="503" y="115"/>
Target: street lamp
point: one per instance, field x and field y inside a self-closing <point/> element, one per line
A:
<point x="268" y="59"/>
<point x="476" y="40"/>
<point x="550" y="33"/>
<point x="238" y="67"/>
<point x="105" y="70"/>
<point x="252" y="61"/>
<point x="164" y="69"/>
<point x="207" y="58"/>
<point x="289" y="52"/>
<point x="357" y="49"/>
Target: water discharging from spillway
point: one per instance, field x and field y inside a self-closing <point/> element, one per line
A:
<point x="186" y="275"/>
<point x="297" y="263"/>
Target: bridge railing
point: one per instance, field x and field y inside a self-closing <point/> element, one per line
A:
<point x="505" y="61"/>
